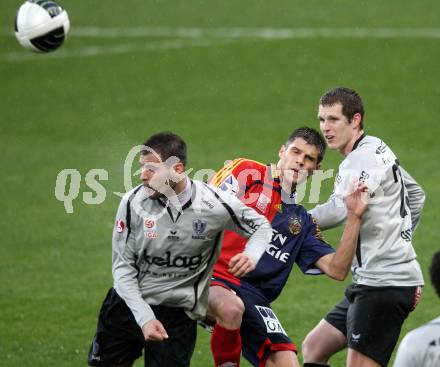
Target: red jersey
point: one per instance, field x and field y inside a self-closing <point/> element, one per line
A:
<point x="255" y="184"/>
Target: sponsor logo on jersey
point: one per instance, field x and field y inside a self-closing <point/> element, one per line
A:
<point x="271" y="321"/>
<point x="208" y="204"/>
<point x="149" y="223"/>
<point x="120" y="226"/>
<point x="355" y="337"/>
<point x="199" y="226"/>
<point x="262" y="203"/>
<point x="276" y="253"/>
<point x="278" y="237"/>
<point x="381" y="148"/>
<point x="364" y="176"/>
<point x="169" y="261"/>
<point x="295" y="226"/>
<point x="173" y="235"/>
<point x="406" y="235"/>
<point x="150" y="228"/>
<point x="249" y="222"/>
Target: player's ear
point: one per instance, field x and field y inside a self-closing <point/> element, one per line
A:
<point x="179" y="168"/>
<point x="282" y="150"/>
<point x="318" y="166"/>
<point x="356" y="120"/>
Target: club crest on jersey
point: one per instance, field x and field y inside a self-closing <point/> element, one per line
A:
<point x="120" y="226"/>
<point x="295" y="226"/>
<point x="199" y="226"/>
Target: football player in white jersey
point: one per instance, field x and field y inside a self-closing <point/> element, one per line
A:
<point x="166" y="240"/>
<point x="421" y="347"/>
<point x="386" y="275"/>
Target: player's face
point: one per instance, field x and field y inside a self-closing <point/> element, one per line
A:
<point x="155" y="175"/>
<point x="336" y="128"/>
<point x="297" y="161"/>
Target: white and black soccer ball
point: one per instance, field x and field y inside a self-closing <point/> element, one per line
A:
<point x="41" y="25"/>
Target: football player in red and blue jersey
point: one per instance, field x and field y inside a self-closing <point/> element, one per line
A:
<point x="241" y="308"/>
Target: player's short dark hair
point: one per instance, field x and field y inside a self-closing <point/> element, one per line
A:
<point x="312" y="137"/>
<point x="167" y="145"/>
<point x="350" y="100"/>
<point x="434" y="271"/>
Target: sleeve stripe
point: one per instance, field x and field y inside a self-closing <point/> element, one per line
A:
<point x="225" y="172"/>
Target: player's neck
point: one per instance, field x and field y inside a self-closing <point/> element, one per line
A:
<point x="182" y="185"/>
<point x="348" y="148"/>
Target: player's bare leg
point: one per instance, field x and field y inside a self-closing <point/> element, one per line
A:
<point x="282" y="358"/>
<point x="322" y="342"/>
<point x="227" y="309"/>
<point x="357" y="359"/>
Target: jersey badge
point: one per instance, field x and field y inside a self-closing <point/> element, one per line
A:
<point x="120" y="226"/>
<point x="295" y="226"/>
<point x="199" y="226"/>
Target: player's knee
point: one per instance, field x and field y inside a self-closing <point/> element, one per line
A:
<point x="230" y="313"/>
<point x="311" y="351"/>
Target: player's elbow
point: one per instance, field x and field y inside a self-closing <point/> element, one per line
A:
<point x="336" y="273"/>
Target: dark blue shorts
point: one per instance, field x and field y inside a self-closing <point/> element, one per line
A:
<point x="261" y="331"/>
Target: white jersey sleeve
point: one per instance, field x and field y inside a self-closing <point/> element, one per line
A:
<point x="416" y="197"/>
<point x="248" y="223"/>
<point x="125" y="280"/>
<point x="364" y="168"/>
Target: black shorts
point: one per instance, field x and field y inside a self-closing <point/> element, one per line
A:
<point x="371" y="318"/>
<point x="119" y="338"/>
<point x="261" y="331"/>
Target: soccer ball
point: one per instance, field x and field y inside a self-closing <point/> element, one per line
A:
<point x="41" y="25"/>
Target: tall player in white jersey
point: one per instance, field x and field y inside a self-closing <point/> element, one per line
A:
<point x="386" y="275"/>
<point x="421" y="347"/>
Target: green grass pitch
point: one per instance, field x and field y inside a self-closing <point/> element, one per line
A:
<point x="221" y="74"/>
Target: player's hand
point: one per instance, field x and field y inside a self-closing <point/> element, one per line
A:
<point x="154" y="330"/>
<point x="357" y="201"/>
<point x="241" y="264"/>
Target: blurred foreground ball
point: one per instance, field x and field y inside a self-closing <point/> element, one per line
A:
<point x="41" y="25"/>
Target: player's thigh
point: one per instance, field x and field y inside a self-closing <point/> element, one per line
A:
<point x="177" y="350"/>
<point x="261" y="330"/>
<point x="282" y="358"/>
<point x="225" y="305"/>
<point x="375" y="318"/>
<point x="119" y="339"/>
<point x="328" y="337"/>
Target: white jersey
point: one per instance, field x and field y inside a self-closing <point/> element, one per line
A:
<point x="420" y="347"/>
<point x="162" y="256"/>
<point x="385" y="255"/>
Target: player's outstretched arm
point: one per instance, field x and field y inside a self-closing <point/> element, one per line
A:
<point x="337" y="265"/>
